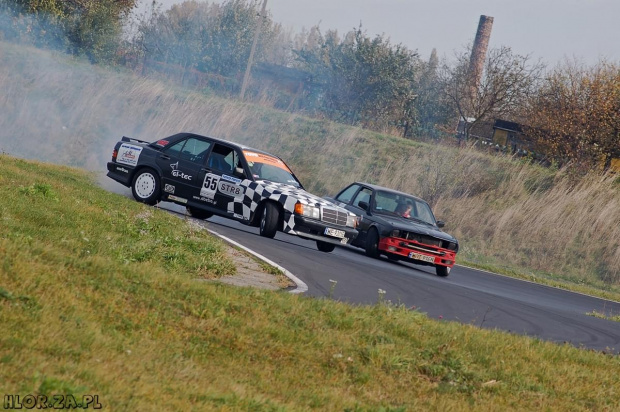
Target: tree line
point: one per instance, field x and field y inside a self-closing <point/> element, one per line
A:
<point x="571" y="112"/>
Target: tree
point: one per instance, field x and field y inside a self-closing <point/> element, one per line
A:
<point x="361" y="81"/>
<point x="506" y="83"/>
<point x="212" y="38"/>
<point x="432" y="111"/>
<point x="83" y="27"/>
<point x="575" y="117"/>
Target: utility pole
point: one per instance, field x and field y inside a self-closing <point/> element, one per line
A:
<point x="259" y="27"/>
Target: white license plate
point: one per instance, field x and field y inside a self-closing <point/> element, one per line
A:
<point x="334" y="232"/>
<point x="422" y="257"/>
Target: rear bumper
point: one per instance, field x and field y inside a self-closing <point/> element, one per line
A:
<point x="315" y="229"/>
<point x="120" y="173"/>
<point x="417" y="252"/>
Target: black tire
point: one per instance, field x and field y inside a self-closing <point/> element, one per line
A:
<point x="372" y="243"/>
<point x="199" y="213"/>
<point x="325" y="247"/>
<point x="269" y="220"/>
<point x="442" y="271"/>
<point x="145" y="186"/>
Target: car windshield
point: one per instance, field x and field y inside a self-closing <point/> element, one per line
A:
<point x="403" y="206"/>
<point x="266" y="167"/>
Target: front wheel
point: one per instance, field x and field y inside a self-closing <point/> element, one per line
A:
<point x="325" y="247"/>
<point x="442" y="271"/>
<point x="198" y="213"/>
<point x="372" y="243"/>
<point x="145" y="186"/>
<point x="269" y="220"/>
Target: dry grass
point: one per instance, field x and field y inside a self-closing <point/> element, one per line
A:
<point x="507" y="214"/>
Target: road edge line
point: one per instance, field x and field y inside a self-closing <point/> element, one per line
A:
<point x="301" y="287"/>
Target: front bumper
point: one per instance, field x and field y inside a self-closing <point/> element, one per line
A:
<point x="418" y="252"/>
<point x="315" y="229"/>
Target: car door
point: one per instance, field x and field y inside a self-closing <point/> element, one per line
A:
<point x="221" y="179"/>
<point x="181" y="166"/>
<point x="363" y="195"/>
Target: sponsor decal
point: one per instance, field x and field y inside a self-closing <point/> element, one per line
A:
<point x="122" y="169"/>
<point x="162" y="143"/>
<point x="266" y="159"/>
<point x="229" y="189"/>
<point x="231" y="179"/>
<point x="238" y="216"/>
<point x="177" y="173"/>
<point x="177" y="199"/>
<point x="205" y="199"/>
<point x="128" y="154"/>
<point x="209" y="185"/>
<point x="169" y="188"/>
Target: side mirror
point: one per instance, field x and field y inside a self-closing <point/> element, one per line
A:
<point x="440" y="223"/>
<point x="239" y="172"/>
<point x="363" y="205"/>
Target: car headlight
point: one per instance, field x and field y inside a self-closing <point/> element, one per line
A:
<point x="395" y="233"/>
<point x="352" y="221"/>
<point x="308" y="211"/>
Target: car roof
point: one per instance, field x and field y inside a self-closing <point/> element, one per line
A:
<point x="184" y="135"/>
<point x="387" y="189"/>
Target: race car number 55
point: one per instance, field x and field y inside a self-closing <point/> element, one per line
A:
<point x="209" y="186"/>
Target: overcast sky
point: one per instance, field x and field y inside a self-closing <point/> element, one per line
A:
<point x="548" y="29"/>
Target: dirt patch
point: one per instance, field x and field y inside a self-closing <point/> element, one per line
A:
<point x="251" y="272"/>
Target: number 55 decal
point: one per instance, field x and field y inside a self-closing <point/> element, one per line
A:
<point x="209" y="186"/>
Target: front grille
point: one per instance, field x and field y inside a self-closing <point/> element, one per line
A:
<point x="426" y="240"/>
<point x="334" y="217"/>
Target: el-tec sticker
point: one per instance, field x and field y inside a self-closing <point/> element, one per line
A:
<point x="128" y="154"/>
<point x="230" y="189"/>
<point x="266" y="159"/>
<point x="177" y="173"/>
<point x="209" y="186"/>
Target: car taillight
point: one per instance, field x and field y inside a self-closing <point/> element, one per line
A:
<point x="114" y="154"/>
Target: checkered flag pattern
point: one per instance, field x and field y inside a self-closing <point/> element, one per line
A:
<point x="284" y="194"/>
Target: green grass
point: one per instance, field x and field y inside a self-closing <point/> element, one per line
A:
<point x="98" y="296"/>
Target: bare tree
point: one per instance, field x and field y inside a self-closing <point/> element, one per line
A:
<point x="575" y="117"/>
<point x="506" y="83"/>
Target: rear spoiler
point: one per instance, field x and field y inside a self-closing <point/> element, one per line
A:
<point x="131" y="139"/>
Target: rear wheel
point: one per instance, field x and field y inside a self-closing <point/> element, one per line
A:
<point x="372" y="243"/>
<point x="442" y="271"/>
<point x="325" y="247"/>
<point x="269" y="220"/>
<point x="199" y="213"/>
<point x="145" y="186"/>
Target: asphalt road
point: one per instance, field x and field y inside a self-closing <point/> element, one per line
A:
<point x="467" y="295"/>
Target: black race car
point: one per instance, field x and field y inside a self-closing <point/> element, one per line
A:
<point x="216" y="177"/>
<point x="398" y="225"/>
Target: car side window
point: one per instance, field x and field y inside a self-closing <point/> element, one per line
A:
<point x="195" y="150"/>
<point x="347" y="194"/>
<point x="362" y="196"/>
<point x="192" y="149"/>
<point x="175" y="149"/>
<point x="223" y="159"/>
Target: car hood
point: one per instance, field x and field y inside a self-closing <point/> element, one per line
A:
<point x="301" y="195"/>
<point x="404" y="224"/>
